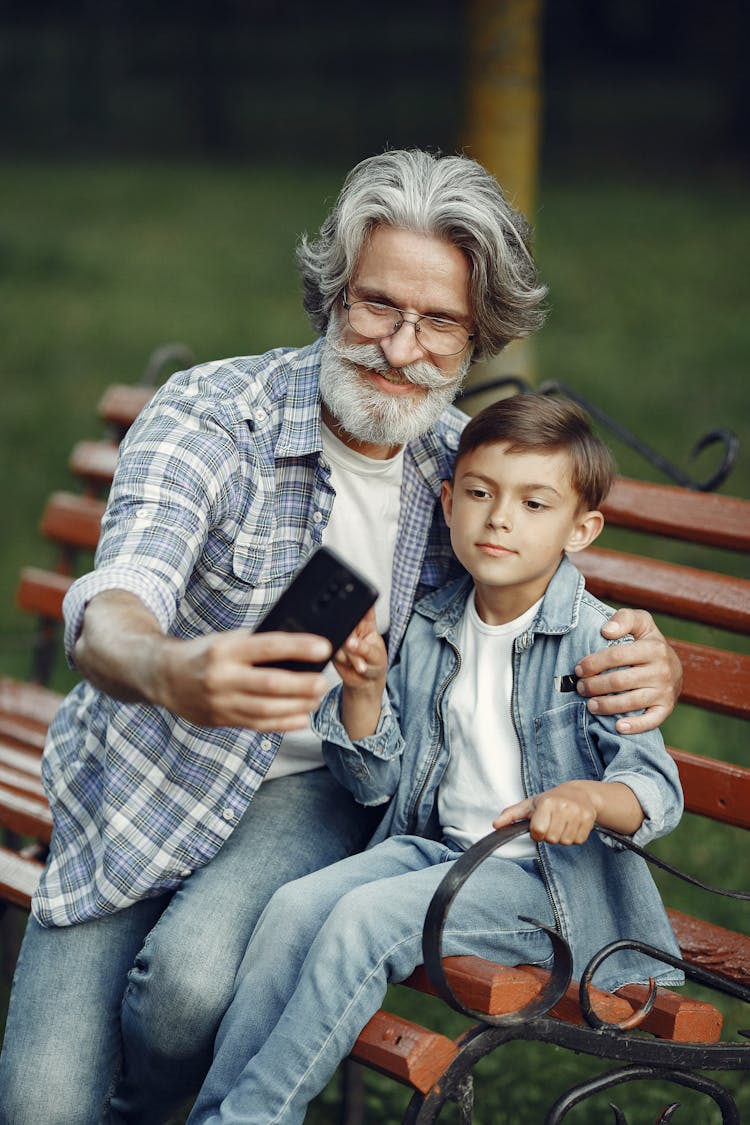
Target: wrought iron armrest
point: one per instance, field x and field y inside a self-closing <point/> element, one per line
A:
<point x="674" y="1062"/>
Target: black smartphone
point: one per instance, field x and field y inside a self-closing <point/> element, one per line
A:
<point x="326" y="597"/>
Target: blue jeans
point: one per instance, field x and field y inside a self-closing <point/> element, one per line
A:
<point x="323" y="954"/>
<point x="131" y="1002"/>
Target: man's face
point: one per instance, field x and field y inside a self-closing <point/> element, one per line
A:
<point x="511" y="516"/>
<point x="384" y="393"/>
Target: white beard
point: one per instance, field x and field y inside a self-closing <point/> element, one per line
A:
<point x="371" y="415"/>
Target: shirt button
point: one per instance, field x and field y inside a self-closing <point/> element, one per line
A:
<point x="318" y="517"/>
<point x="142" y="514"/>
<point x="266" y="744"/>
<point x="228" y="814"/>
<point x="260" y="415"/>
<point x="185" y="873"/>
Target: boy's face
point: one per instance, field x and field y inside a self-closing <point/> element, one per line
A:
<point x="511" y="516"/>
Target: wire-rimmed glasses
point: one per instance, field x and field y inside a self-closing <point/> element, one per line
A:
<point x="437" y="335"/>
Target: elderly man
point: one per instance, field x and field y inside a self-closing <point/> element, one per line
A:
<point x="184" y="778"/>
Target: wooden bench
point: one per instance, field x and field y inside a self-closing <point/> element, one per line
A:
<point x="680" y="1034"/>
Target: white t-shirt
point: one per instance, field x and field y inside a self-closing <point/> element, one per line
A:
<point x="362" y="529"/>
<point x="483" y="775"/>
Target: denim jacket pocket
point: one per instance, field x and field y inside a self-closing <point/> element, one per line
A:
<point x="562" y="749"/>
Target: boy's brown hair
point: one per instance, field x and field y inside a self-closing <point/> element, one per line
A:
<point x="546" y="425"/>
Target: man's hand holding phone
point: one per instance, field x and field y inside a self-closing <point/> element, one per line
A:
<point x="216" y="680"/>
<point x="230" y="679"/>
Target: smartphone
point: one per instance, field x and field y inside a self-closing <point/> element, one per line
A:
<point x="326" y="597"/>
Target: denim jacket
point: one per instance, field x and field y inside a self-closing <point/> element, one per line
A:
<point x="599" y="891"/>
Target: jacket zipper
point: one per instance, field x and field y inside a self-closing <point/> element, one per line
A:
<point x="441" y="738"/>
<point x="540" y="856"/>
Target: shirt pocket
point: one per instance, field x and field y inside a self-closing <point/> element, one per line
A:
<point x="265" y="558"/>
<point x="562" y="749"/>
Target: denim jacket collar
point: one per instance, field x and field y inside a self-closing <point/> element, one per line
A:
<point x="557" y="614"/>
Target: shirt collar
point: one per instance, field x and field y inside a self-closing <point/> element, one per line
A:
<point x="300" y="426"/>
<point x="558" y="612"/>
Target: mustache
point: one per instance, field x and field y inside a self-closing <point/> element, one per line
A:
<point x="422" y="374"/>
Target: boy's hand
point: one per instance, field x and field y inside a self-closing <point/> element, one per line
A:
<point x="567" y="813"/>
<point x="563" y="815"/>
<point x="362" y="660"/>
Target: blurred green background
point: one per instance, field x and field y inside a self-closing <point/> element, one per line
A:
<point x="160" y="160"/>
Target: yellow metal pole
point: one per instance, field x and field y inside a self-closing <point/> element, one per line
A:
<point x="503" y="118"/>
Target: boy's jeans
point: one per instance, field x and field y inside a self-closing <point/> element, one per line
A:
<point x="323" y="953"/>
<point x="63" y="1040"/>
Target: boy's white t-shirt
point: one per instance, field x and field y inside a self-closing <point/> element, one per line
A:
<point x="483" y="775"/>
<point x="362" y="529"/>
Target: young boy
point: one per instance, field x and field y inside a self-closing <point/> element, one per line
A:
<point x="480" y="726"/>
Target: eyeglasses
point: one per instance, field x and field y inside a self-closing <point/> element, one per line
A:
<point x="434" y="334"/>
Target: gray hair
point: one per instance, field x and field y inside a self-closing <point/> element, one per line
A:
<point x="449" y="197"/>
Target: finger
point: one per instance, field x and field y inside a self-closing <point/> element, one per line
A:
<point x="273" y="684"/>
<point x="264" y="648"/>
<point x="541" y="819"/>
<point x="636" y="621"/>
<point x="512" y="813"/>
<point x="650" y="719"/>
<point x="646" y="677"/>
<point x="368" y="622"/>
<point x="264" y="712"/>
<point x="624" y="702"/>
<point x="633" y="653"/>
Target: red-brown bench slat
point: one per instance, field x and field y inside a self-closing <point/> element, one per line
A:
<point x="719" y="790"/>
<point x="42" y="592"/>
<point x="73" y="520"/>
<point x="22" y="782"/>
<point x="498" y="990"/>
<point x="714" y="678"/>
<point x="121" y="404"/>
<point x="679" y="513"/>
<point x="679" y="1018"/>
<point x="25" y="815"/>
<point x="94" y="461"/>
<point x="23" y="734"/>
<point x="696" y="595"/>
<point x="25" y="760"/>
<point x="725" y="952"/>
<point x="29" y="701"/>
<point x="404" y="1050"/>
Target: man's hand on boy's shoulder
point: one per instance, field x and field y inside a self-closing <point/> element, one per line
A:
<point x="643" y="675"/>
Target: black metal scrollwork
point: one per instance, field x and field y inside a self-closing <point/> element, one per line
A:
<point x="437" y="913"/>
<point x="699" y="1083"/>
<point x="648" y="1058"/>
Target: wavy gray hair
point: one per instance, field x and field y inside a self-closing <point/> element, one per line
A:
<point x="450" y="197"/>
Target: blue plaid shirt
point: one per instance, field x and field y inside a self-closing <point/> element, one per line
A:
<point x="221" y="492"/>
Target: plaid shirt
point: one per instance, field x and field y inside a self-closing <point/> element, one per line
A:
<point x="221" y="492"/>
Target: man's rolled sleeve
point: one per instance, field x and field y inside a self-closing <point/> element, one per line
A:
<point x="134" y="580"/>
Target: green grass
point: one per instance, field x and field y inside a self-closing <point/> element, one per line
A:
<point x="101" y="263"/>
